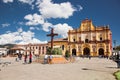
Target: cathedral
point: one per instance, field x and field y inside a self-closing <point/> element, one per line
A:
<point x="88" y="39"/>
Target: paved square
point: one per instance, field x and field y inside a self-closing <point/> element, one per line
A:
<point x="81" y="69"/>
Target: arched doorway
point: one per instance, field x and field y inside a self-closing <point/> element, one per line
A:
<point x="86" y="51"/>
<point x="101" y="51"/>
<point x="74" y="52"/>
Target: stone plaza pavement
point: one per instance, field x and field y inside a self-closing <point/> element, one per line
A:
<point x="81" y="69"/>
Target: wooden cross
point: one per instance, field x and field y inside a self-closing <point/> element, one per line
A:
<point x="52" y="34"/>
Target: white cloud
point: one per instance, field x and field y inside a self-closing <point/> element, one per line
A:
<point x="62" y="29"/>
<point x="34" y="19"/>
<point x="34" y="40"/>
<point x="20" y="30"/>
<point x="32" y="28"/>
<point x="9" y="38"/>
<point x="6" y="1"/>
<point x="27" y="1"/>
<point x="30" y="2"/>
<point x="79" y="7"/>
<point x="27" y="36"/>
<point x="19" y="37"/>
<point x="48" y="9"/>
<point x="29" y="17"/>
<point x="37" y="28"/>
<point x="21" y="23"/>
<point x="5" y="25"/>
<point x="46" y="26"/>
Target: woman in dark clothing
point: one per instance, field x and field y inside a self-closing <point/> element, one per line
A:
<point x="30" y="58"/>
<point x="118" y="60"/>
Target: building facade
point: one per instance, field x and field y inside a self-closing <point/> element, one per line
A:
<point x="35" y="49"/>
<point x="3" y="51"/>
<point x="87" y="40"/>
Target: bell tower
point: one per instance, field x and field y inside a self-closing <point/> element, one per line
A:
<point x="86" y="25"/>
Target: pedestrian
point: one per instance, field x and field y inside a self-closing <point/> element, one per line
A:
<point x="50" y="59"/>
<point x="30" y="58"/>
<point x="118" y="60"/>
<point x="19" y="56"/>
<point x="25" y="58"/>
<point x="46" y="59"/>
<point x="16" y="59"/>
<point x="89" y="56"/>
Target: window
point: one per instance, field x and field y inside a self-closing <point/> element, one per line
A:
<point x="86" y="40"/>
<point x="36" y="47"/>
<point x="33" y="47"/>
<point x="43" y="48"/>
<point x="74" y="40"/>
<point x="100" y="38"/>
<point x="62" y="47"/>
<point x="30" y="47"/>
<point x="39" y="47"/>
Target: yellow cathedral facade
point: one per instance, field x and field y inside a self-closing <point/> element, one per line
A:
<point x="87" y="40"/>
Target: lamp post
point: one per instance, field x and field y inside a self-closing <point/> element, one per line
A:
<point x="114" y="44"/>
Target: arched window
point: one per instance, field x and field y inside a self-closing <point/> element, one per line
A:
<point x="74" y="40"/>
<point x="62" y="47"/>
<point x="86" y="40"/>
<point x="100" y="38"/>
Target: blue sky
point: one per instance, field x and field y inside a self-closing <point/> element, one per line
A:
<point x="29" y="21"/>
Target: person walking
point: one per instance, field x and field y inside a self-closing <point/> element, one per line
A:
<point x="89" y="56"/>
<point x="50" y="59"/>
<point x="118" y="60"/>
<point x="25" y="58"/>
<point x="30" y="58"/>
<point x="46" y="59"/>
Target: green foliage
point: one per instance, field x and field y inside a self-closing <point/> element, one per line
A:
<point x="55" y="51"/>
<point x="67" y="54"/>
<point x="49" y="50"/>
<point x="117" y="75"/>
<point x="117" y="48"/>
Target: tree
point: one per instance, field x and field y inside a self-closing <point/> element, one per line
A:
<point x="117" y="48"/>
<point x="67" y="54"/>
<point x="49" y="50"/>
<point x="55" y="51"/>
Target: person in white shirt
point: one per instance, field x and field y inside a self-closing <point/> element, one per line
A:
<point x="45" y="59"/>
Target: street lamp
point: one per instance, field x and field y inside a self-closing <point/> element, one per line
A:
<point x="114" y="44"/>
